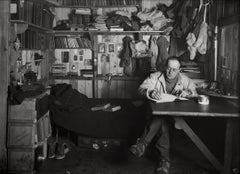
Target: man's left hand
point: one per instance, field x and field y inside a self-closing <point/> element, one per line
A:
<point x="183" y="93"/>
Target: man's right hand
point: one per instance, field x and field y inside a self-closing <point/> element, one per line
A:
<point x="155" y="94"/>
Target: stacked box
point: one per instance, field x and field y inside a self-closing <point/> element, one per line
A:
<point x="28" y="130"/>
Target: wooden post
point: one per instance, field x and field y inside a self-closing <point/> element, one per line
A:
<point x="4" y="76"/>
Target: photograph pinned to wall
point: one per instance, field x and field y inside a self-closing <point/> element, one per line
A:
<point x="88" y="63"/>
<point x="111" y="48"/>
<point x="75" y="58"/>
<point x="80" y="58"/>
<point x="81" y="52"/>
<point x="65" y="56"/>
<point x="101" y="48"/>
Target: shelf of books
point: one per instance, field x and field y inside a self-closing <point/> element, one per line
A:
<point x="33" y="39"/>
<point x="72" y="42"/>
<point x="100" y="3"/>
<point x="118" y="31"/>
<point x="35" y="13"/>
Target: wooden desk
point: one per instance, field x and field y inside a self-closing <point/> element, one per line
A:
<point x="218" y="107"/>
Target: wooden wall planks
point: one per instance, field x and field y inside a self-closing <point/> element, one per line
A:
<point x="115" y="88"/>
<point x="228" y="57"/>
<point x="4" y="77"/>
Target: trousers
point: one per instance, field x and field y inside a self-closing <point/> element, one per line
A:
<point x="158" y="128"/>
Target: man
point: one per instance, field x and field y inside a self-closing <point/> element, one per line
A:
<point x="171" y="81"/>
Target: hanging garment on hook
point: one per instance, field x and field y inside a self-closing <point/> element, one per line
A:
<point x="197" y="40"/>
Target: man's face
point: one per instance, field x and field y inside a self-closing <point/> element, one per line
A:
<point x="173" y="69"/>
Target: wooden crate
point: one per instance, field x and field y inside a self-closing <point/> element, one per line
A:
<point x="30" y="109"/>
<point x="21" y="160"/>
<point x="26" y="160"/>
<point x="28" y="130"/>
<point x="21" y="134"/>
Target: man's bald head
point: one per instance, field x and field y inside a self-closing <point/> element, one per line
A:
<point x="172" y="67"/>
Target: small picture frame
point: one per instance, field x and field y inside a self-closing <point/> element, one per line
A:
<point x="101" y="48"/>
<point x="75" y="58"/>
<point x="81" y="52"/>
<point x="80" y="58"/>
<point x="111" y="48"/>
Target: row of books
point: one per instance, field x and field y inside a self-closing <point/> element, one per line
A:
<point x="72" y="42"/>
<point x="88" y="3"/>
<point x="84" y="3"/>
<point x="117" y="2"/>
<point x="33" y="12"/>
<point x="32" y="39"/>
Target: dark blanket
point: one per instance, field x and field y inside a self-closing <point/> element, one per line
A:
<point x="72" y="110"/>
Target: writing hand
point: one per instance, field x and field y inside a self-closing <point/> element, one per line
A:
<point x="155" y="94"/>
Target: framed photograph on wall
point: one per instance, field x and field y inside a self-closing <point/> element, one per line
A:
<point x="111" y="48"/>
<point x="101" y="48"/>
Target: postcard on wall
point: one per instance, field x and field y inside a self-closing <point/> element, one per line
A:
<point x="101" y="48"/>
<point x="81" y="52"/>
<point x="111" y="48"/>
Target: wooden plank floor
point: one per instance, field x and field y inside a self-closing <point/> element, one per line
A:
<point x="185" y="159"/>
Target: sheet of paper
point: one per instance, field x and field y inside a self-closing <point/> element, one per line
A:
<point x="167" y="98"/>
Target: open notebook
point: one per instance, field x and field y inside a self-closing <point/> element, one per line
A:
<point x="167" y="98"/>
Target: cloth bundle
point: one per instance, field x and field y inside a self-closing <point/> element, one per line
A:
<point x="140" y="49"/>
<point x="156" y="18"/>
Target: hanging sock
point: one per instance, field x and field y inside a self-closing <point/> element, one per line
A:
<point x="201" y="43"/>
<point x="154" y="50"/>
<point x="191" y="39"/>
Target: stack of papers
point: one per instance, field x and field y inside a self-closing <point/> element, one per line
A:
<point x="167" y="98"/>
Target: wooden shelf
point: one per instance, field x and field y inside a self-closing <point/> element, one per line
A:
<point x="30" y="25"/>
<point x="118" y="6"/>
<point x="128" y="32"/>
<point x="72" y="6"/>
<point x="66" y="32"/>
<point x="99" y="77"/>
<point x="70" y="77"/>
<point x="69" y="32"/>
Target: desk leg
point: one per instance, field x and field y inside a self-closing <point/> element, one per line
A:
<point x="228" y="146"/>
<point x="180" y="123"/>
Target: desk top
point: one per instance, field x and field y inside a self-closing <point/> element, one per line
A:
<point x="217" y="107"/>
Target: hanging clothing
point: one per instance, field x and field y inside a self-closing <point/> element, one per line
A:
<point x="201" y="43"/>
<point x="126" y="53"/>
<point x="154" y="50"/>
<point x="127" y="62"/>
<point x="163" y="55"/>
<point x="197" y="40"/>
